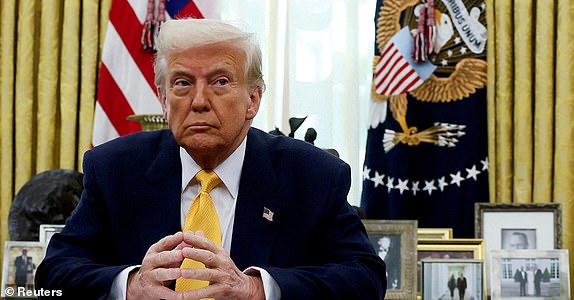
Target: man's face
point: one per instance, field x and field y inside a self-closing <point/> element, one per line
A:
<point x="207" y="100"/>
<point x="517" y="242"/>
<point x="384" y="243"/>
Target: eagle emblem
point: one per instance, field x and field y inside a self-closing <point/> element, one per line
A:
<point x="455" y="44"/>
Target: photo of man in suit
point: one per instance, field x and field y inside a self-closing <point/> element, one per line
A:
<point x="451" y="285"/>
<point x="20" y="264"/>
<point x="521" y="277"/>
<point x="537" y="281"/>
<point x="461" y="285"/>
<point x="279" y="222"/>
<point x="389" y="250"/>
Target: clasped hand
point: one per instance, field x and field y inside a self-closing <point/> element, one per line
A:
<point x="161" y="266"/>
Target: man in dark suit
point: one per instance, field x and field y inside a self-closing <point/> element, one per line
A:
<point x="287" y="231"/>
<point x="461" y="285"/>
<point x="522" y="278"/>
<point x="20" y="266"/>
<point x="537" y="281"/>
<point x="390" y="252"/>
<point x="451" y="285"/>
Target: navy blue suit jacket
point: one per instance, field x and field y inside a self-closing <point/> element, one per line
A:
<point x="315" y="247"/>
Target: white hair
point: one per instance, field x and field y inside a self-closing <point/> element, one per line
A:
<point x="182" y="34"/>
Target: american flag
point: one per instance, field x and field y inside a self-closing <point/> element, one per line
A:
<point x="125" y="85"/>
<point x="396" y="73"/>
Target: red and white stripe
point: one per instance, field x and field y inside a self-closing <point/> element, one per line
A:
<point x="393" y="73"/>
<point x="125" y="84"/>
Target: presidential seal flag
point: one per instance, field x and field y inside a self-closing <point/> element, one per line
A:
<point x="426" y="153"/>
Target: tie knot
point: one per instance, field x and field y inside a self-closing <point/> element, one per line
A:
<point x="208" y="180"/>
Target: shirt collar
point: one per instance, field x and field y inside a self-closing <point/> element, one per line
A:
<point x="229" y="171"/>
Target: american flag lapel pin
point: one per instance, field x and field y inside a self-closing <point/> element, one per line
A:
<point x="267" y="214"/>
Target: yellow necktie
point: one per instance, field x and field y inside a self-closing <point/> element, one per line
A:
<point x="201" y="216"/>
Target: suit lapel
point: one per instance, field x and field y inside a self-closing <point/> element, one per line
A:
<point x="253" y="234"/>
<point x="158" y="208"/>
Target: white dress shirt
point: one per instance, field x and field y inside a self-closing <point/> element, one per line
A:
<point x="224" y="197"/>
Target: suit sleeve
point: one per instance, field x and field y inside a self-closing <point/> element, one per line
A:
<point x="76" y="262"/>
<point x="345" y="265"/>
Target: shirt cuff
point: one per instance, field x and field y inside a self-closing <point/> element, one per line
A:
<point x="120" y="284"/>
<point x="270" y="287"/>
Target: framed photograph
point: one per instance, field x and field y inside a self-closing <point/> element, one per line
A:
<point x="434" y="233"/>
<point x="19" y="267"/>
<point x="48" y="230"/>
<point x="530" y="274"/>
<point x="395" y="241"/>
<point x="453" y="279"/>
<point x="447" y="249"/>
<point x="509" y="225"/>
<point x="453" y="248"/>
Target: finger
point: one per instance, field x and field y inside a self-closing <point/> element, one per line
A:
<point x="198" y="240"/>
<point x="167" y="259"/>
<point x="158" y="276"/>
<point x="162" y="292"/>
<point x="208" y="258"/>
<point x="216" y="291"/>
<point x="167" y="274"/>
<point x="202" y="293"/>
<point x="229" y="286"/>
<point x="183" y="244"/>
<point x="204" y="274"/>
<point x="145" y="287"/>
<point x="167" y="243"/>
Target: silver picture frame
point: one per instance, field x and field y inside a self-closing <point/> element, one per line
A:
<point x="461" y="278"/>
<point x="530" y="274"/>
<point x="18" y="272"/>
<point x="396" y="242"/>
<point x="47" y="231"/>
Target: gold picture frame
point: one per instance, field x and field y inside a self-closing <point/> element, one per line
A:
<point x="434" y="234"/>
<point x="471" y="246"/>
<point x="447" y="249"/>
<point x="395" y="241"/>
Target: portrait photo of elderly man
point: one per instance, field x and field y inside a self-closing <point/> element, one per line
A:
<point x="516" y="239"/>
